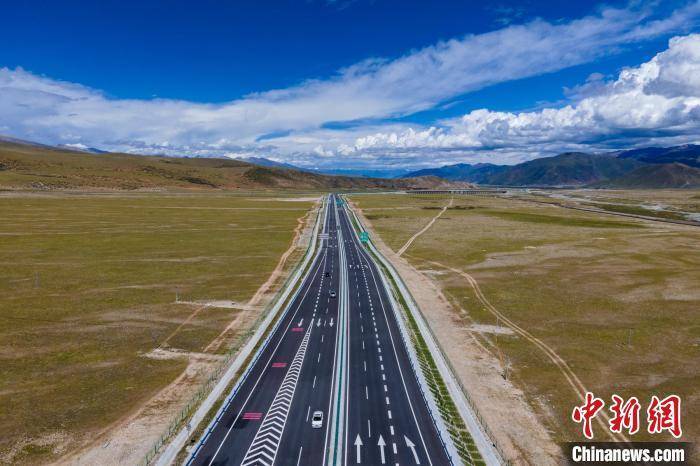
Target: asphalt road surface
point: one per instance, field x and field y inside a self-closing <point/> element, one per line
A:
<point x="337" y="350"/>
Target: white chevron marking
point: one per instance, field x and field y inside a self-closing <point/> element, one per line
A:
<point x="263" y="449"/>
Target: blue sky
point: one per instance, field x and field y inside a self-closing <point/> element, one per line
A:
<point x="213" y="51"/>
<point x="345" y="83"/>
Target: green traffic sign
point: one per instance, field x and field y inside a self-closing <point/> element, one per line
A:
<point x="364" y="236"/>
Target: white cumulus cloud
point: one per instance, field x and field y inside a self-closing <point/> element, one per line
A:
<point x="658" y="100"/>
<point x="294" y="122"/>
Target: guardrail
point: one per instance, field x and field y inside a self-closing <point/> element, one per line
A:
<point x="414" y="309"/>
<point x="233" y="360"/>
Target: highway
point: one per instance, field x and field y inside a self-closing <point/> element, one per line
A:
<point x="336" y="349"/>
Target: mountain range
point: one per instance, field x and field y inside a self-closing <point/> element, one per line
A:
<point x="653" y="167"/>
<point x="26" y="165"/>
<point x="362" y="172"/>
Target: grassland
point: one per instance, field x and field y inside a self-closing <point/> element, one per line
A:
<point x="672" y="204"/>
<point x="616" y="298"/>
<point x="88" y="289"/>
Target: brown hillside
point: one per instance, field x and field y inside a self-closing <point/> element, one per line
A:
<point x="26" y="166"/>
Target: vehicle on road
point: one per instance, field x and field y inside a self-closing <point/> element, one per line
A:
<point x="317" y="420"/>
<point x="328" y="274"/>
<point x="332" y="294"/>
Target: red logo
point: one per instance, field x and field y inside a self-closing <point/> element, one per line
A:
<point x="662" y="415"/>
<point x="586" y="412"/>
<point x="665" y="415"/>
<point x="625" y="415"/>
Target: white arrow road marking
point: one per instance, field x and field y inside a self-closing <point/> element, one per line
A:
<point x="300" y="322"/>
<point x="381" y="444"/>
<point x="358" y="445"/>
<point x="412" y="446"/>
<point x="331" y="324"/>
<point x="318" y="323"/>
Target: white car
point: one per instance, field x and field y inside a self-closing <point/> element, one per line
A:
<point x="317" y="420"/>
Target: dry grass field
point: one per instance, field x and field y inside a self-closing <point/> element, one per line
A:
<point x="674" y="204"/>
<point x="89" y="324"/>
<point x="617" y="299"/>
